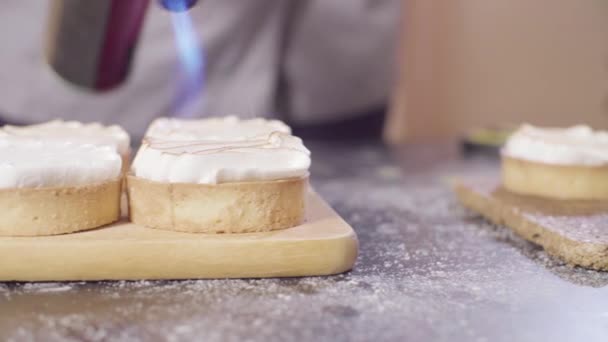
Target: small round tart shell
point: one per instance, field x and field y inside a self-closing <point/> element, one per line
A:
<point x="58" y="210"/>
<point x="237" y="207"/>
<point x="563" y="182"/>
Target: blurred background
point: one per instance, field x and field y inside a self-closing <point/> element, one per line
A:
<point x="319" y="65"/>
<point x="475" y="63"/>
<point x="421" y="69"/>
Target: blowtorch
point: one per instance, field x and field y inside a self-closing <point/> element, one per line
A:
<point x="91" y="43"/>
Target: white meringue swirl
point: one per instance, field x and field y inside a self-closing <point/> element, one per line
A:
<point x="578" y="145"/>
<point x="76" y="132"/>
<point x="216" y="151"/>
<point x="28" y="163"/>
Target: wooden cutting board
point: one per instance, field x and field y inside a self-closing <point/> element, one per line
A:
<point x="572" y="231"/>
<point x="325" y="244"/>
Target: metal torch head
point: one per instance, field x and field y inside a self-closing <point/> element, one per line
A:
<point x="177" y="5"/>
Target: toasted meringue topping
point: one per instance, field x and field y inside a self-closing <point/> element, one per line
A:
<point x="227" y="128"/>
<point x="215" y="151"/>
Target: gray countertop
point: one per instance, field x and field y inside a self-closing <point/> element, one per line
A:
<point x="428" y="270"/>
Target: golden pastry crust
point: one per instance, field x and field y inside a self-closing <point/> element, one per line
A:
<point x="555" y="181"/>
<point x="240" y="207"/>
<point x="59" y="210"/>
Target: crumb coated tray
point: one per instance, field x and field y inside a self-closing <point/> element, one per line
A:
<point x="325" y="244"/>
<point x="578" y="238"/>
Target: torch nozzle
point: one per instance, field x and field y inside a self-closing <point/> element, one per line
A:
<point x="177" y="5"/>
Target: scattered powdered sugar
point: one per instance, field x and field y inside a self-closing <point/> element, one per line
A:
<point x="427" y="270"/>
<point x="584" y="228"/>
<point x="589" y="229"/>
<point x="46" y="287"/>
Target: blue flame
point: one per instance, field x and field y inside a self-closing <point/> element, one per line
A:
<point x="178" y="5"/>
<point x="192" y="60"/>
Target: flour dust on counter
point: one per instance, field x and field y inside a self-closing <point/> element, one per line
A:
<point x="428" y="270"/>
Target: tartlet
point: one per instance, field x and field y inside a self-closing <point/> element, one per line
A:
<point x="225" y="176"/>
<point x="49" y="188"/>
<point x="555" y="163"/>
